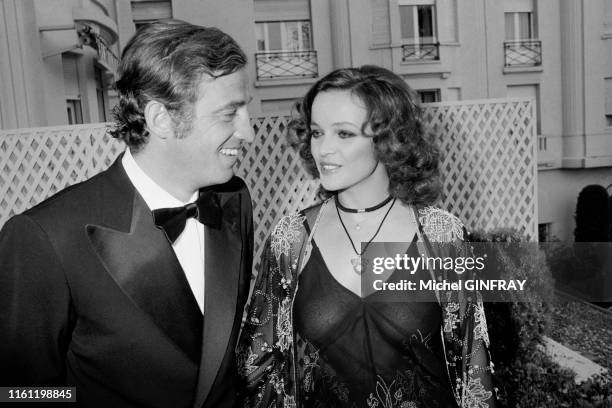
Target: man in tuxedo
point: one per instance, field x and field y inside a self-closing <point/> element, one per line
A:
<point x="131" y="285"/>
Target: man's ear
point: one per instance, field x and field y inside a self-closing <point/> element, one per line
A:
<point x="159" y="121"/>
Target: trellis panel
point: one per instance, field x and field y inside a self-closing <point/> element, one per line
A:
<point x="489" y="165"/>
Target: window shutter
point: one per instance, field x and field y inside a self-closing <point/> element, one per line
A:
<point x="71" y="77"/>
<point x="151" y="10"/>
<point x="517" y="6"/>
<point x="608" y="15"/>
<point x="608" y="96"/>
<point x="381" y="29"/>
<point x="282" y="10"/>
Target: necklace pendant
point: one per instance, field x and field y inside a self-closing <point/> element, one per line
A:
<point x="356" y="262"/>
<point x="357" y="227"/>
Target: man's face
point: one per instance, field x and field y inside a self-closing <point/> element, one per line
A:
<point x="206" y="154"/>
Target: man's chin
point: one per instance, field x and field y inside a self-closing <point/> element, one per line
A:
<point x="225" y="176"/>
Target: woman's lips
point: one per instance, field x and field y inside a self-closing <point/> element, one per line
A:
<point x="327" y="168"/>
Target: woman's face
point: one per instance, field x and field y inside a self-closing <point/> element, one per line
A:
<point x="343" y="155"/>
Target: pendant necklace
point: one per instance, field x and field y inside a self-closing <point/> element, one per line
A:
<point x="356" y="262"/>
<point x="361" y="210"/>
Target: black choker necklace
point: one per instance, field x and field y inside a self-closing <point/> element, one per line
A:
<point x="362" y="210"/>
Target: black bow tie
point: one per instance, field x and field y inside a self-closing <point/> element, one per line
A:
<point x="205" y="209"/>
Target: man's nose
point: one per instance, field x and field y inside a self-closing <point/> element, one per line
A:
<point x="244" y="130"/>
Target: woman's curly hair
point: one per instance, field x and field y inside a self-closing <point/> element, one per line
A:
<point x="394" y="121"/>
<point x="165" y="61"/>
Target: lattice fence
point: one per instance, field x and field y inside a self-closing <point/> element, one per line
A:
<point x="38" y="162"/>
<point x="489" y="167"/>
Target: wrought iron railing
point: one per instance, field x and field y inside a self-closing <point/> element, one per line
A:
<point x="106" y="54"/>
<point x="88" y="36"/>
<point x="415" y="52"/>
<point x="523" y="53"/>
<point x="287" y="64"/>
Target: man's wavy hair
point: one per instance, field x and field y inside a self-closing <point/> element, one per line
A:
<point x="165" y="61"/>
<point x="394" y="121"/>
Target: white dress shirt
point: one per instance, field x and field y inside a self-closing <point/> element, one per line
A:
<point x="189" y="246"/>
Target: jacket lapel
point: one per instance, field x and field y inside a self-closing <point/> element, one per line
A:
<point x="223" y="260"/>
<point x="141" y="261"/>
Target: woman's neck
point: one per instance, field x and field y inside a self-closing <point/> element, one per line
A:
<point x="368" y="192"/>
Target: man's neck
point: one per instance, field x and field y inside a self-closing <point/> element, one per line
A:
<point x="162" y="174"/>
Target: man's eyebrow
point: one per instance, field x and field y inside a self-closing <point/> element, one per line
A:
<point x="234" y="104"/>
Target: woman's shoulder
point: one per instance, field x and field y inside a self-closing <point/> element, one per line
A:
<point x="440" y="225"/>
<point x="290" y="230"/>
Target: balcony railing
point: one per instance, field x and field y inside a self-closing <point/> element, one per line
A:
<point x="88" y="36"/>
<point x="287" y="64"/>
<point x="107" y="56"/>
<point x="523" y="53"/>
<point x="417" y="52"/>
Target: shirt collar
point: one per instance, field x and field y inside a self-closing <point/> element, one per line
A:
<point x="154" y="195"/>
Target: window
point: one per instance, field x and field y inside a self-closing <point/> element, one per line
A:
<point x="418" y="30"/>
<point x="429" y="95"/>
<point x="529" y="91"/>
<point x="418" y="22"/>
<point x="72" y="90"/>
<point x="74" y="111"/>
<point x="283" y="35"/>
<point x="544" y="232"/>
<point x="519" y="26"/>
<point x="145" y="12"/>
<point x="100" y="95"/>
<point x="521" y="48"/>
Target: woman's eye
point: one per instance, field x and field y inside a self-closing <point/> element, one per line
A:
<point x="316" y="133"/>
<point x="345" y="134"/>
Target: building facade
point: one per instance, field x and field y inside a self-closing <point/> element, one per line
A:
<point x="558" y="52"/>
<point x="58" y="60"/>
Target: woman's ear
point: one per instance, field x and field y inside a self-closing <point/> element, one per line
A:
<point x="159" y="122"/>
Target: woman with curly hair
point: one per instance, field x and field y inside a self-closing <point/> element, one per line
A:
<point x="314" y="335"/>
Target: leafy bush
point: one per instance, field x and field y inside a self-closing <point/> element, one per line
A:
<point x="593" y="215"/>
<point x="582" y="269"/>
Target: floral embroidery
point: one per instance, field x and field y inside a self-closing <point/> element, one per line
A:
<point x="286" y="232"/>
<point x="289" y="402"/>
<point x="284" y="329"/>
<point x="278" y="383"/>
<point x="480" y="330"/>
<point x="419" y="338"/>
<point x="475" y="394"/>
<point x="390" y="395"/>
<point x="451" y="316"/>
<point x="440" y="225"/>
<point x="311" y="362"/>
<point x="245" y="362"/>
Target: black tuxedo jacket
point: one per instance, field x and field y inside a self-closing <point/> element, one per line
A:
<point x="92" y="295"/>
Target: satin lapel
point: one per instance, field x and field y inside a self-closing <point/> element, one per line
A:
<point x="223" y="260"/>
<point x="143" y="264"/>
